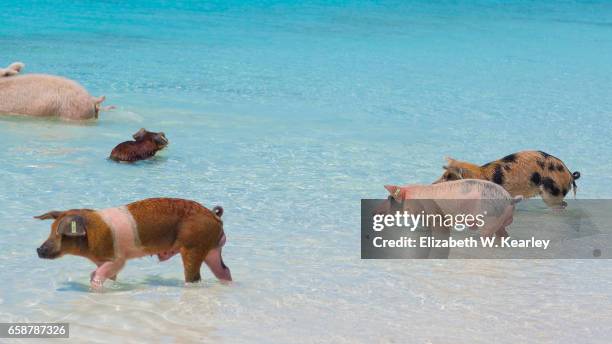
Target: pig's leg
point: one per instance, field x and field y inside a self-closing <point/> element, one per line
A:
<point x="499" y="228"/>
<point x="192" y="261"/>
<point x="501" y="233"/>
<point x="441" y="233"/>
<point x="98" y="264"/>
<point x="436" y="232"/>
<point x="105" y="271"/>
<point x="93" y="273"/>
<point x="214" y="261"/>
<point x="488" y="230"/>
<point x="497" y="225"/>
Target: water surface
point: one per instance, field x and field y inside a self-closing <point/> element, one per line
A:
<point x="287" y="115"/>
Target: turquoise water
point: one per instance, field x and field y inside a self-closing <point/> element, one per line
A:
<point x="288" y="114"/>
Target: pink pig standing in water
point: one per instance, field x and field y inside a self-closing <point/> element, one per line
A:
<point x="466" y="196"/>
<point x="45" y="96"/>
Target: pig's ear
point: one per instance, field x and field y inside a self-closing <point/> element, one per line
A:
<point x="454" y="173"/>
<point x="49" y="215"/>
<point x="391" y="188"/>
<point x="139" y="134"/>
<point x="16" y="67"/>
<point x="450" y="160"/>
<point x="72" y="226"/>
<point x="11" y="70"/>
<point x="394" y="191"/>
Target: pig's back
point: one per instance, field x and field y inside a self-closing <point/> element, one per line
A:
<point x="521" y="173"/>
<point x="159" y="219"/>
<point x="41" y="83"/>
<point x="492" y="198"/>
<point x="464" y="189"/>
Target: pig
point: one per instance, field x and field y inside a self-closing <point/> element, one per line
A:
<point x="469" y="196"/>
<point x="145" y="146"/>
<point x="526" y="173"/>
<point x="155" y="226"/>
<point x="13" y="69"/>
<point x="44" y="95"/>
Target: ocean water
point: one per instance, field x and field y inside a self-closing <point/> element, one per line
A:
<point x="287" y="114"/>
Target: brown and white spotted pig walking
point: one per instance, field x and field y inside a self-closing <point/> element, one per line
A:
<point x="526" y="173"/>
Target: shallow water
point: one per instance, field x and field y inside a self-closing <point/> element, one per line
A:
<point x="288" y="115"/>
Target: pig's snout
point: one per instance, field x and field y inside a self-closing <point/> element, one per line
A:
<point x="164" y="140"/>
<point x="47" y="251"/>
<point x="42" y="252"/>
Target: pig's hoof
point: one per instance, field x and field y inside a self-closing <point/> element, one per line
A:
<point x="96" y="284"/>
<point x="560" y="208"/>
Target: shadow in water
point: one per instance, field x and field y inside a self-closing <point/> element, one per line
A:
<point x="159" y="281"/>
<point x="109" y="286"/>
<point x="151" y="161"/>
<point x="127" y="284"/>
<point x="74" y="286"/>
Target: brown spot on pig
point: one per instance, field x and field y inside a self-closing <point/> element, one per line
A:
<point x="526" y="173"/>
<point x="144" y="146"/>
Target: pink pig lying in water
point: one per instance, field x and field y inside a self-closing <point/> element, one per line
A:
<point x="45" y="95"/>
<point x="466" y="196"/>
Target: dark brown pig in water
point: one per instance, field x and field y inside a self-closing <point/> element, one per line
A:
<point x="144" y="146"/>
